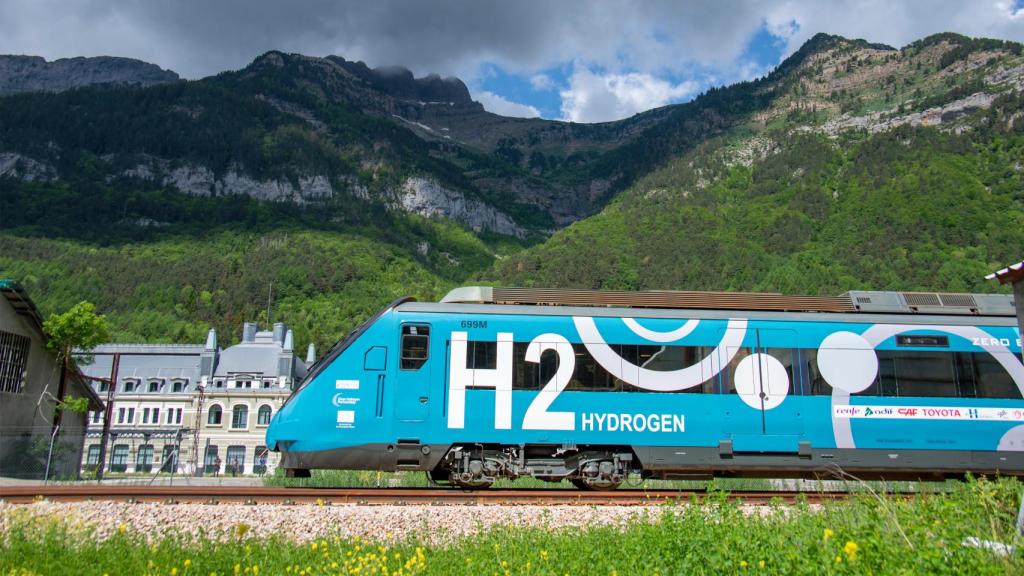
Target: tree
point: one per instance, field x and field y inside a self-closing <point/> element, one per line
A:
<point x="80" y="327"/>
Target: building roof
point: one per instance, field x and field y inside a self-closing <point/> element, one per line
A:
<point x="1011" y="274"/>
<point x="18" y="298"/>
<point x="262" y="355"/>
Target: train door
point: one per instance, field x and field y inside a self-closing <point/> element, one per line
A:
<point x="758" y="379"/>
<point x="781" y="409"/>
<point x="412" y="386"/>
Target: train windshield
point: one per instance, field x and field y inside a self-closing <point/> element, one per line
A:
<point x="341" y="345"/>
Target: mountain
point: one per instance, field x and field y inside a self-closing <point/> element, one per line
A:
<point x="35" y="74"/>
<point x="871" y="168"/>
<point x="176" y="206"/>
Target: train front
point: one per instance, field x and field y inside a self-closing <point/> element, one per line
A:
<point x="329" y="421"/>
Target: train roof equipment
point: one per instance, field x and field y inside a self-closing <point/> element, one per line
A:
<point x="878" y="302"/>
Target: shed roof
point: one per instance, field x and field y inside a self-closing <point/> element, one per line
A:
<point x="1011" y="274"/>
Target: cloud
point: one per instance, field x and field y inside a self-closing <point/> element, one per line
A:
<point x="659" y="38"/>
<point x="498" y="105"/>
<point x="541" y="82"/>
<point x="594" y="97"/>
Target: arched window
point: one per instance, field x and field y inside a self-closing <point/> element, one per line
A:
<point x="240" y="416"/>
<point x="263" y="416"/>
<point x="214" y="415"/>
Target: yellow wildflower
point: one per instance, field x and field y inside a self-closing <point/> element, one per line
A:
<point x="187" y="563"/>
<point x="121" y="528"/>
<point x="743" y="563"/>
<point x="544" y="555"/>
<point x="174" y="572"/>
<point x="851" y="550"/>
<point x="312" y="546"/>
<point x="838" y="559"/>
<point x="829" y="533"/>
<point x="760" y="564"/>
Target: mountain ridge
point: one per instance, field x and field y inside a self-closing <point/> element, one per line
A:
<point x="851" y="165"/>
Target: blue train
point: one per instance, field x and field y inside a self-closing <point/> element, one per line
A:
<point x="591" y="386"/>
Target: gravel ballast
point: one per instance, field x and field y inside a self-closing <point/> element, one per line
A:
<point x="304" y="522"/>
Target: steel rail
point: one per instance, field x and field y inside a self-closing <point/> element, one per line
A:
<point x="385" y="496"/>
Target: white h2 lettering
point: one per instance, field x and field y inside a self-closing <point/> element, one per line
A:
<point x="499" y="378"/>
<point x="537" y="416"/>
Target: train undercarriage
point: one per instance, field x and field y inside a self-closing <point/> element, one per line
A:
<point x="589" y="468"/>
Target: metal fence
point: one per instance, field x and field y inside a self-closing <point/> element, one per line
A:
<point x="41" y="453"/>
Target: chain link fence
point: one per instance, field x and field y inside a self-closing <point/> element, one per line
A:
<point x="41" y="453"/>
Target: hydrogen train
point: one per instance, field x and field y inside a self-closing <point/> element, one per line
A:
<point x="594" y="386"/>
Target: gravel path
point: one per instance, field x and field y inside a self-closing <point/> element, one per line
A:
<point x="305" y="522"/>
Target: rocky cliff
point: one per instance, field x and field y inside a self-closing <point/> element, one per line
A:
<point x="35" y="74"/>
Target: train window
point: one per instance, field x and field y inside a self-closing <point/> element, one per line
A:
<point x="481" y="355"/>
<point x="728" y="383"/>
<point x="672" y="358"/>
<point x="415" y="346"/>
<point x="531" y="375"/>
<point x="927" y="374"/>
<point x="983" y="376"/>
<point x="788" y="357"/>
<point x="589" y="376"/>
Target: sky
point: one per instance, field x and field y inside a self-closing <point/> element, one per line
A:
<point x="589" y="61"/>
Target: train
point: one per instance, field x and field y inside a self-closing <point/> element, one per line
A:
<point x="595" y="386"/>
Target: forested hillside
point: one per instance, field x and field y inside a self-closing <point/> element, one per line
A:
<point x="176" y="207"/>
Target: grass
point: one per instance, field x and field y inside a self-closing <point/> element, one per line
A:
<point x="865" y="535"/>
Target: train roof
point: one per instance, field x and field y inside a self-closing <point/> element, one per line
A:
<point x="872" y="302"/>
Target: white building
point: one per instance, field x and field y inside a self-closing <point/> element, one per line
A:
<point x="175" y="407"/>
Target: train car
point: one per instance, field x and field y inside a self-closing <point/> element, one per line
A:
<point x="593" y="386"/>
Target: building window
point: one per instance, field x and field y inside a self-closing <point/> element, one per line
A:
<point x="170" y="459"/>
<point x="131" y="415"/>
<point x="156" y="415"/>
<point x="263" y="416"/>
<point x="259" y="461"/>
<point x="97" y="417"/>
<point x="240" y="416"/>
<point x="13" y="361"/>
<point x="129" y="385"/>
<point x="212" y="461"/>
<point x="92" y="457"/>
<point x="236" y="460"/>
<point x="120" y="415"/>
<point x="154" y="386"/>
<point x="119" y="458"/>
<point x="179" y="385"/>
<point x="144" y="458"/>
<point x="214" y="415"/>
<point x="174" y="415"/>
<point x="145" y="415"/>
<point x="218" y="383"/>
<point x="104" y="387"/>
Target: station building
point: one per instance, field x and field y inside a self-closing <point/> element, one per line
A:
<point x="192" y="409"/>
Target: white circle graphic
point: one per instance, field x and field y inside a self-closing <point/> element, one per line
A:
<point x="761" y="381"/>
<point x="847" y="361"/>
<point x="670" y="336"/>
<point x="1013" y="440"/>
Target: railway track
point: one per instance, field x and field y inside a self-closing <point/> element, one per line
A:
<point x="382" y="496"/>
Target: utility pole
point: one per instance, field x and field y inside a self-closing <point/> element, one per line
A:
<point x="108" y="414"/>
<point x="196" y="471"/>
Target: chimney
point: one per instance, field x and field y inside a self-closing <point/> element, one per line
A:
<point x="211" y="339"/>
<point x="289" y="340"/>
<point x="311" y="354"/>
<point x="279" y="332"/>
<point x="249" y="332"/>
